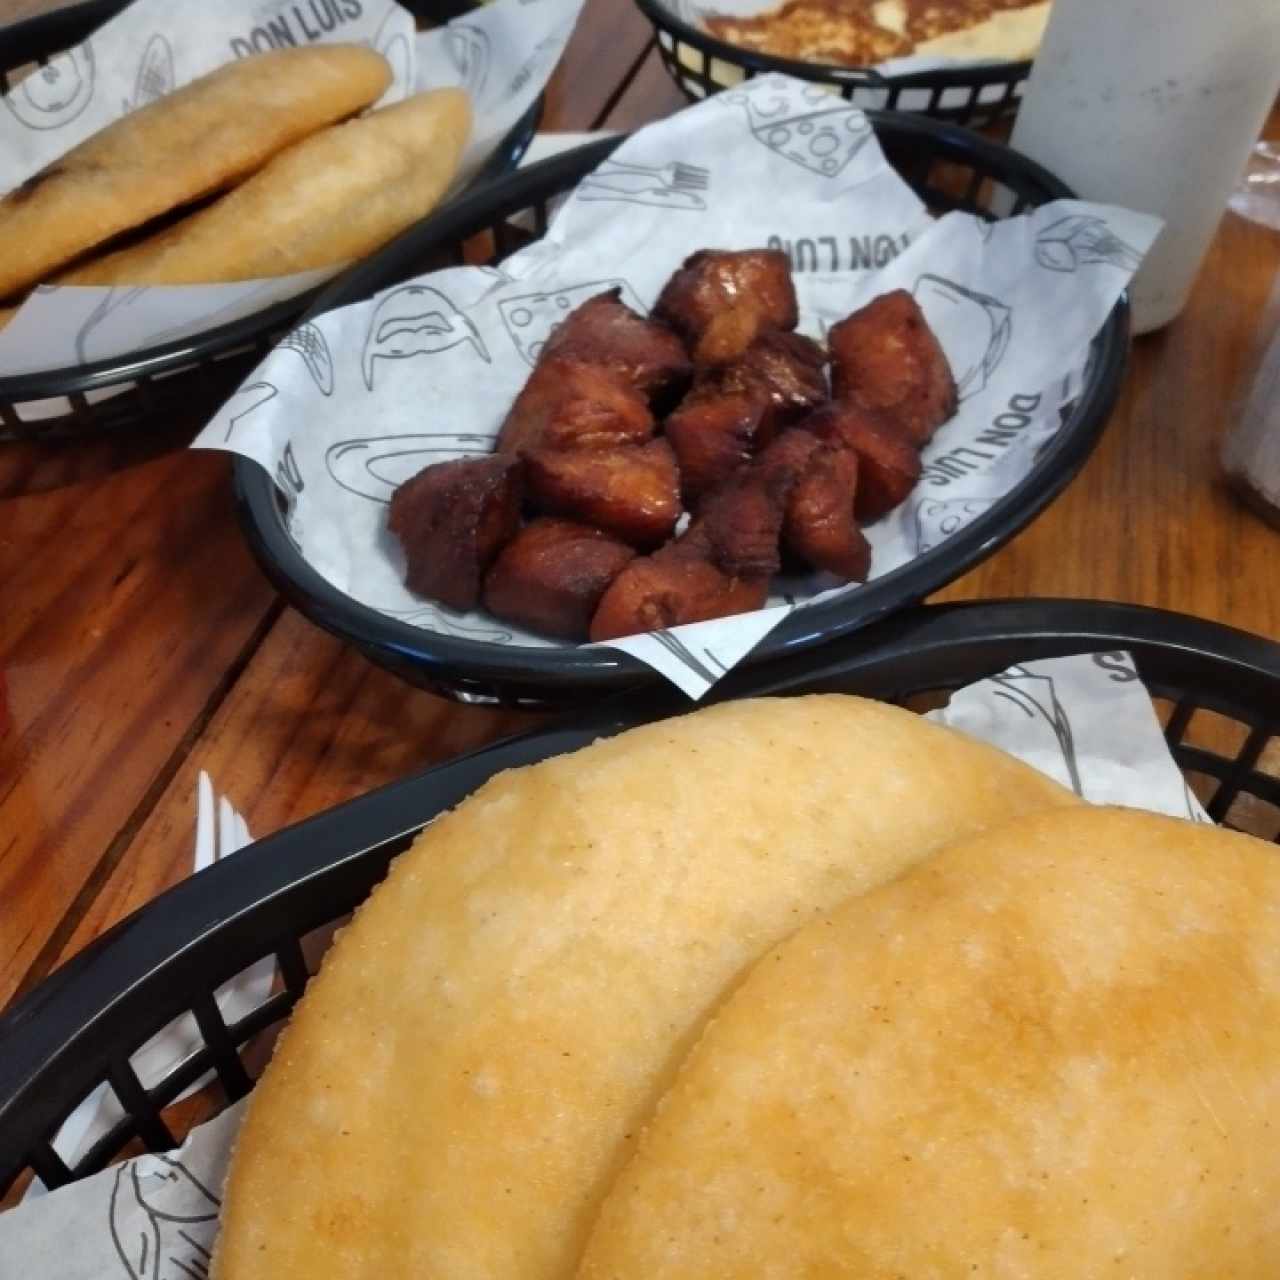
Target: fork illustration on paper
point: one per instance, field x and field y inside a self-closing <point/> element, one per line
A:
<point x="670" y="186"/>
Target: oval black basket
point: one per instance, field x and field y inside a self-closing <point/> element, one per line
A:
<point x="168" y="378"/>
<point x="702" y="65"/>
<point x="950" y="168"/>
<point x="80" y="1027"/>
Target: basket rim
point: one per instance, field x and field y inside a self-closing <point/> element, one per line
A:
<point x="577" y="671"/>
<point x="171" y="938"/>
<point x="23" y="42"/>
<point x="664" y="19"/>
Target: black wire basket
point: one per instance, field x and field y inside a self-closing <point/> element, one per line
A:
<point x="150" y="385"/>
<point x="701" y="65"/>
<point x="950" y="168"/>
<point x="1218" y="691"/>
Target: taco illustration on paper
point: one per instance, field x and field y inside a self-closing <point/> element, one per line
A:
<point x="1081" y="240"/>
<point x="1046" y="724"/>
<point x="820" y="133"/>
<point x="55" y="94"/>
<point x="416" y="320"/>
<point x="530" y="317"/>
<point x="156" y="76"/>
<point x="162" y="1226"/>
<point x="374" y="467"/>
<point x="974" y="328"/>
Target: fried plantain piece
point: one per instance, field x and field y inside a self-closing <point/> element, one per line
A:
<point x="713" y="434"/>
<point x="568" y="404"/>
<point x="721" y="300"/>
<point x="886" y="357"/>
<point x="820" y="527"/>
<point x="675" y="585"/>
<point x="644" y="353"/>
<point x="549" y="578"/>
<point x="632" y="491"/>
<point x="786" y="370"/>
<point x="888" y="463"/>
<point x="452" y="519"/>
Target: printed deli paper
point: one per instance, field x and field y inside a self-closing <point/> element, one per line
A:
<point x="1058" y="715"/>
<point x="503" y="55"/>
<point x="364" y="397"/>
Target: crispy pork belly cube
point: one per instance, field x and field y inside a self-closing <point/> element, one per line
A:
<point x="888" y="463"/>
<point x="567" y="404"/>
<point x="742" y="522"/>
<point x="721" y="300"/>
<point x="606" y="333"/>
<point x="887" y="358"/>
<point x="787" y="370"/>
<point x="452" y="519"/>
<point x="675" y="585"/>
<point x="549" y="578"/>
<point x="713" y="434"/>
<point x="632" y="492"/>
<point x="820" y="527"/>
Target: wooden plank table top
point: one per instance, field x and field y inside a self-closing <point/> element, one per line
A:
<point x="139" y="644"/>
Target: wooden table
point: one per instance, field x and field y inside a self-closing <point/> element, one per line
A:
<point x="140" y="644"/>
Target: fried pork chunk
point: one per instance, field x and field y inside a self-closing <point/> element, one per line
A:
<point x="742" y="521"/>
<point x="549" y="578"/>
<point x="819" y="480"/>
<point x="632" y="491"/>
<point x="675" y="585"/>
<point x="606" y="333"/>
<point x="785" y="370"/>
<point x="885" y="357"/>
<point x="820" y="527"/>
<point x="568" y="404"/>
<point x="733" y="410"/>
<point x="888" y="463"/>
<point x="714" y="433"/>
<point x="452" y="519"/>
<point x="721" y="300"/>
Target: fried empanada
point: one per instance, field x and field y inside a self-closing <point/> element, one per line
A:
<point x="1051" y="1050"/>
<point x="472" y="1066"/>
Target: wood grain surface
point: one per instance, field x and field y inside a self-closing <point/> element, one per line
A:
<point x="140" y="645"/>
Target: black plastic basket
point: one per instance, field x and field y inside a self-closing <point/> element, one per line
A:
<point x="170" y="378"/>
<point x="950" y="168"/>
<point x="80" y="1027"/>
<point x="702" y="65"/>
